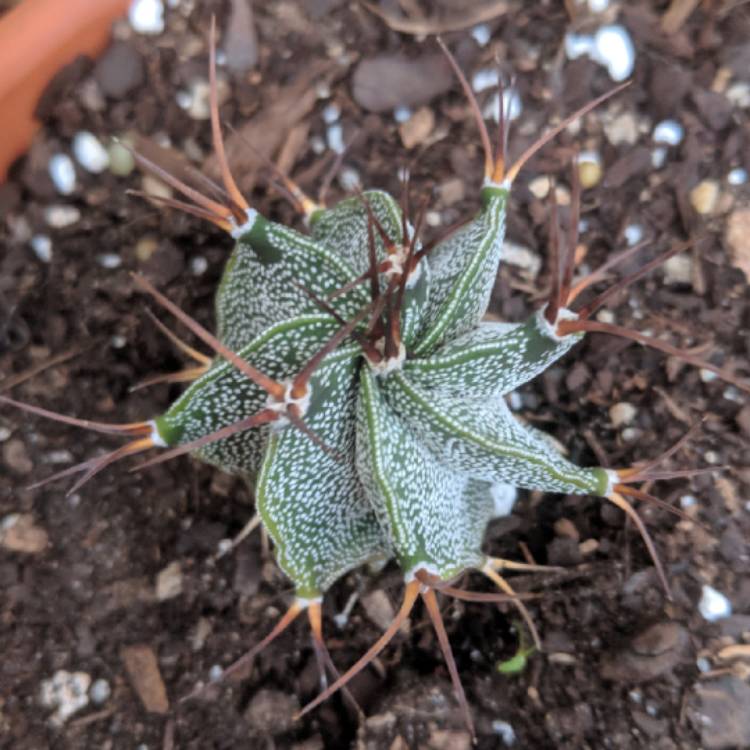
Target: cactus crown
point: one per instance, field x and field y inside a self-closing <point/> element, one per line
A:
<point x="355" y="386"/>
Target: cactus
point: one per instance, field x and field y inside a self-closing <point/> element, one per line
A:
<point x="356" y="388"/>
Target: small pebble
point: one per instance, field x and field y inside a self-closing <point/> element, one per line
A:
<point x="66" y="692"/>
<point x="524" y="258"/>
<point x="515" y="401"/>
<point x="669" y="132"/>
<point x="378" y="608"/>
<point x="59" y="457"/>
<point x="169" y="582"/>
<point x="215" y="673"/>
<point x="687" y="501"/>
<point x="704" y="196"/>
<point x="198" y="99"/>
<point x="540" y="187"/>
<point x="154" y="186"/>
<point x="578" y="45"/>
<point x="658" y="157"/>
<point x="89" y="152"/>
<point x="402" y="114"/>
<point x="739" y="94"/>
<point x="588" y="547"/>
<point x="317" y="144"/>
<point x="713" y="605"/>
<point x="332" y="113"/>
<point x="118" y="342"/>
<point x="481" y="34"/>
<point x="678" y="269"/>
<point x="433" y="219"/>
<point x="452" y="191"/>
<point x="417" y="128"/>
<point x="566" y="528"/>
<point x="622" y="130"/>
<point x="707" y="376"/>
<point x="109" y="260"/>
<point x="589" y="169"/>
<point x="198" y="265"/>
<point x="512" y="106"/>
<point x="147" y="16"/>
<point x="631" y="434"/>
<point x="598" y="6"/>
<point x="41" y="244"/>
<point x="703" y="664"/>
<point x="505" y="732"/>
<point x="737" y="176"/>
<point x="622" y="414"/>
<point x="504" y="497"/>
<point x="483" y="79"/>
<point x="614" y="49"/>
<point x="562" y="195"/>
<point x="60" y="216"/>
<point x="335" y="138"/>
<point x="19" y="533"/>
<point x="121" y="161"/>
<point x="100" y="692"/>
<point x="63" y="173"/>
<point x="633" y="234"/>
<point x="349" y="179"/>
<point x="5" y="433"/>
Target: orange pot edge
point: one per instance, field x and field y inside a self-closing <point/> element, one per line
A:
<point x="37" y="39"/>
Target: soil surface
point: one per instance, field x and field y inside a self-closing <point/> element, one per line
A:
<point x="119" y="580"/>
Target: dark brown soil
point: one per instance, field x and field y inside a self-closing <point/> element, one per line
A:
<point x="607" y="677"/>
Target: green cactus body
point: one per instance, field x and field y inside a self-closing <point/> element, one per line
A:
<point x="417" y="444"/>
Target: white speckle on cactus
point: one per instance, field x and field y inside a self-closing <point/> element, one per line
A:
<point x="63" y="173"/>
<point x="147" y="16"/>
<point x="713" y="605"/>
<point x="669" y="132"/>
<point x="89" y="152"/>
